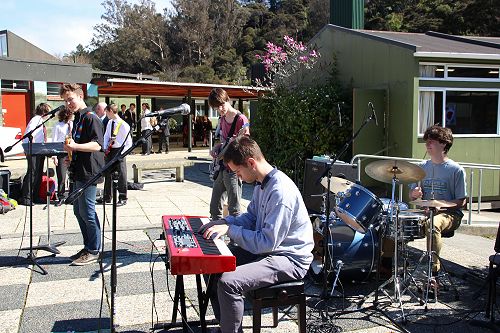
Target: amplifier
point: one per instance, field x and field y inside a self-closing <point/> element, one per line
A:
<point x="312" y="187"/>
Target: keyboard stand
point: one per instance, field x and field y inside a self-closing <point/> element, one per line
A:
<point x="180" y="297"/>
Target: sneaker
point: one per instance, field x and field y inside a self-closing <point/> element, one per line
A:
<point x="78" y="254"/>
<point x="85" y="259"/>
<point x="121" y="202"/>
<point x="101" y="200"/>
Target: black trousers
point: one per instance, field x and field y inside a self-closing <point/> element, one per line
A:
<point x="164" y="139"/>
<point x="148" y="144"/>
<point x="35" y="164"/>
<point x="122" y="177"/>
<point x="61" y="170"/>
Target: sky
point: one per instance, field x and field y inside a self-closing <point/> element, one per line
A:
<point x="56" y="26"/>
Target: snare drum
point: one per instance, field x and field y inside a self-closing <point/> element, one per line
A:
<point x="359" y="208"/>
<point x="386" y="203"/>
<point x="412" y="223"/>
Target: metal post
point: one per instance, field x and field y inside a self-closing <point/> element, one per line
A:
<point x="479" y="191"/>
<point x="470" y="196"/>
<point x="400" y="192"/>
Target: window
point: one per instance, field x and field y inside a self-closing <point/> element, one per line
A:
<point x="463" y="111"/>
<point x="472" y="112"/>
<point x="3" y="45"/>
<point x="53" y="89"/>
<point x="11" y="84"/>
<point x="473" y="72"/>
<point x="455" y="71"/>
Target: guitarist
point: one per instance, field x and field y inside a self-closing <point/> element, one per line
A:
<point x="226" y="182"/>
<point x="116" y="136"/>
<point x="86" y="148"/>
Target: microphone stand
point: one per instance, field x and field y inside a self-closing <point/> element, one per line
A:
<point x="29" y="135"/>
<point x="326" y="230"/>
<point x="110" y="166"/>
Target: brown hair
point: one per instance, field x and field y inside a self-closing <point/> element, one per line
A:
<point x="217" y="97"/>
<point x="42" y="108"/>
<point x="70" y="87"/>
<point x="441" y="134"/>
<point x="143" y="104"/>
<point x="113" y="108"/>
<point x="240" y="149"/>
<point x="64" y="115"/>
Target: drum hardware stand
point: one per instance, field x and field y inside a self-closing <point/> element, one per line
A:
<point x="395" y="278"/>
<point x="429" y="255"/>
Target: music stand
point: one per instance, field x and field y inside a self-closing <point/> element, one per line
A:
<point x="45" y="150"/>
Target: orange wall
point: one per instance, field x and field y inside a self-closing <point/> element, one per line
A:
<point x="17" y="106"/>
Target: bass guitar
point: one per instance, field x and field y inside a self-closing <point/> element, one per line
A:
<point x="218" y="154"/>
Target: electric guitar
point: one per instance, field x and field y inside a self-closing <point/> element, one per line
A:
<point x="217" y="164"/>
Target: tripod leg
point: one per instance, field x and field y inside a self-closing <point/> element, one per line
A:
<point x="32" y="258"/>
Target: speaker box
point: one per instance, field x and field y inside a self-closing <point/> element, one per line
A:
<point x="313" y="189"/>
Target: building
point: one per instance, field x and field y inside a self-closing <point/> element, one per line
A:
<point x="28" y="76"/>
<point x="414" y="80"/>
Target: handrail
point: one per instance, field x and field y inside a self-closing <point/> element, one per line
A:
<point x="473" y="166"/>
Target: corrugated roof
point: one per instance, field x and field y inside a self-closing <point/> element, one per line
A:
<point x="438" y="43"/>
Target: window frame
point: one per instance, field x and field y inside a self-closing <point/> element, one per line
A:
<point x="444" y="90"/>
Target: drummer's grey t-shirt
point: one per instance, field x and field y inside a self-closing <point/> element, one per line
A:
<point x="446" y="180"/>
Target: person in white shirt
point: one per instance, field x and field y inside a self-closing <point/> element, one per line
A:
<point x="62" y="129"/>
<point x="146" y="127"/>
<point x="36" y="163"/>
<point x="116" y="135"/>
<point x="100" y="111"/>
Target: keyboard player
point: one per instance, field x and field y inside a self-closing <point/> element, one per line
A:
<point x="274" y="236"/>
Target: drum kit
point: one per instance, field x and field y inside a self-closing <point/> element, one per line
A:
<point x="349" y="250"/>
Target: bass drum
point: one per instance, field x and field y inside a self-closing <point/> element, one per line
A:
<point x="356" y="250"/>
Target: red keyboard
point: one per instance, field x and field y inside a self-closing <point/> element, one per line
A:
<point x="189" y="253"/>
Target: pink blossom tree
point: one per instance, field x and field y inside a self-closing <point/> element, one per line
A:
<point x="281" y="62"/>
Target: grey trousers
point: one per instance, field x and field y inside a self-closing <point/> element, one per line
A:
<point x="252" y="272"/>
<point x="227" y="183"/>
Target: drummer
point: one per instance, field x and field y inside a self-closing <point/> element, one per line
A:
<point x="444" y="180"/>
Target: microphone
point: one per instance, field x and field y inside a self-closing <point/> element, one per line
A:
<point x="183" y="109"/>
<point x="54" y="111"/>
<point x="374" y="115"/>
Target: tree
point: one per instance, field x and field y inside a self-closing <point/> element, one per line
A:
<point x="191" y="27"/>
<point x="79" y="56"/>
<point x="131" y="39"/>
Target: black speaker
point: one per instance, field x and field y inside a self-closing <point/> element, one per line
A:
<point x="313" y="189"/>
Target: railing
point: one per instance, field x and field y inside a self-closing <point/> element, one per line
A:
<point x="471" y="166"/>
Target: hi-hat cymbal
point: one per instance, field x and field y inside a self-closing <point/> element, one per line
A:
<point x="385" y="170"/>
<point x="432" y="203"/>
<point x="336" y="184"/>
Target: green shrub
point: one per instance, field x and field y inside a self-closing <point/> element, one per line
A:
<point x="293" y="125"/>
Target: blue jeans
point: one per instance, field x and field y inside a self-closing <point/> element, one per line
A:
<point x="84" y="210"/>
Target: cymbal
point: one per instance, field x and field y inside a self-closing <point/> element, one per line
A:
<point x="432" y="203"/>
<point x="385" y="170"/>
<point x="336" y="184"/>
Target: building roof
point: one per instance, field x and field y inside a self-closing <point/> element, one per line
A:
<point x="433" y="44"/>
<point x="127" y="87"/>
